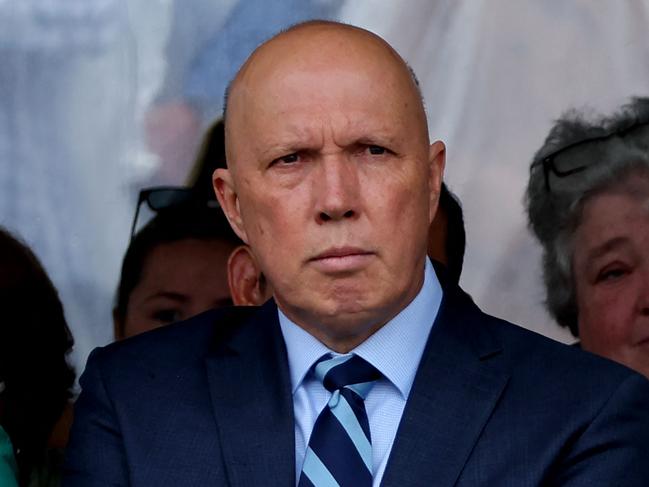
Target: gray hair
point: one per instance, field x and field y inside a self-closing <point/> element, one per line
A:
<point x="606" y="157"/>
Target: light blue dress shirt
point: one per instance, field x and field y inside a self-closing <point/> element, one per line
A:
<point x="395" y="350"/>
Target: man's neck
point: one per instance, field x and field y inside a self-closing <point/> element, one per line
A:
<point x="344" y="333"/>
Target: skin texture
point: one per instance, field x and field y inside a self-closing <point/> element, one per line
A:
<point x="332" y="180"/>
<point x="611" y="267"/>
<point x="179" y="280"/>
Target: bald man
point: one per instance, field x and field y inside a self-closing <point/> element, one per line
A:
<point x="368" y="367"/>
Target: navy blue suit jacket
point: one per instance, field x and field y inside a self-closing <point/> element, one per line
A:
<point x="208" y="403"/>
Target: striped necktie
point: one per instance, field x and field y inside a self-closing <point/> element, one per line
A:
<point x="340" y="447"/>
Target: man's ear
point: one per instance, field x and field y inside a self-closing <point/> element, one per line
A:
<point x="229" y="201"/>
<point x="244" y="278"/>
<point x="437" y="161"/>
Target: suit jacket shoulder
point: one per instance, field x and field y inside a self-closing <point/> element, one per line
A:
<point x="495" y="404"/>
<point x="158" y="409"/>
<point x="208" y="402"/>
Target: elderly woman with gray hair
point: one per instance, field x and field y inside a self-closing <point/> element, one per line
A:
<point x="588" y="204"/>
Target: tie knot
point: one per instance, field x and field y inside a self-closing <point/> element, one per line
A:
<point x="348" y="371"/>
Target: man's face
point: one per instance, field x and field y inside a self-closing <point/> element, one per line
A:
<point x="335" y="187"/>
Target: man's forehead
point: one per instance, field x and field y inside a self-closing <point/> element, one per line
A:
<point x="345" y="129"/>
<point x="292" y="115"/>
<point x="367" y="78"/>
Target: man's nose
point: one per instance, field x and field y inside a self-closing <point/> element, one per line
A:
<point x="337" y="190"/>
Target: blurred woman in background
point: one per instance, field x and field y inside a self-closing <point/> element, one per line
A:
<point x="176" y="265"/>
<point x="174" y="268"/>
<point x="35" y="376"/>
<point x="588" y="205"/>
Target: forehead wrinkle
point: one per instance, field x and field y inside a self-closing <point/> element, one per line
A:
<point x="338" y="129"/>
<point x="298" y="130"/>
<point x="343" y="122"/>
<point x="601" y="249"/>
<point x="611" y="237"/>
<point x="361" y="132"/>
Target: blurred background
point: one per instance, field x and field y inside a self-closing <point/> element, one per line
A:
<point x="99" y="98"/>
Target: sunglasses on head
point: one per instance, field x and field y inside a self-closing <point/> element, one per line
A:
<point x="161" y="198"/>
<point x="568" y="160"/>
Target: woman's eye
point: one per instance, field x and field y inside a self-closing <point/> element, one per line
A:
<point x="376" y="150"/>
<point x="611" y="274"/>
<point x="166" y="316"/>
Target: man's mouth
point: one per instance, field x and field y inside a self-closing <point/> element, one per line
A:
<point x="342" y="259"/>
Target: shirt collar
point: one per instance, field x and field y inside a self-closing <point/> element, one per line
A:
<point x="395" y="349"/>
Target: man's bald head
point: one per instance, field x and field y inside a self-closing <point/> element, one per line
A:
<point x="308" y="23"/>
<point x="331" y="177"/>
<point x="321" y="30"/>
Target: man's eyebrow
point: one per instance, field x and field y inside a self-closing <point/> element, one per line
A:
<point x="378" y="138"/>
<point x="288" y="144"/>
<point x="600" y="250"/>
<point x="277" y="150"/>
<point x="296" y="142"/>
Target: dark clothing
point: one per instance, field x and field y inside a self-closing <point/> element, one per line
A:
<point x="208" y="402"/>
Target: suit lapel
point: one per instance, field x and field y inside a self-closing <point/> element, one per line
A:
<point x="457" y="385"/>
<point x="251" y="397"/>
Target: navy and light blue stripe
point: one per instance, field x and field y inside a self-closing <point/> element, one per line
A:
<point x="340" y="448"/>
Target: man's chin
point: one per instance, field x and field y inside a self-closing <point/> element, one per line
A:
<point x="345" y="319"/>
<point x="345" y="330"/>
<point x="341" y="312"/>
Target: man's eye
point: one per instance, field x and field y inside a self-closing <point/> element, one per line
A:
<point x="376" y="150"/>
<point x="287" y="159"/>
